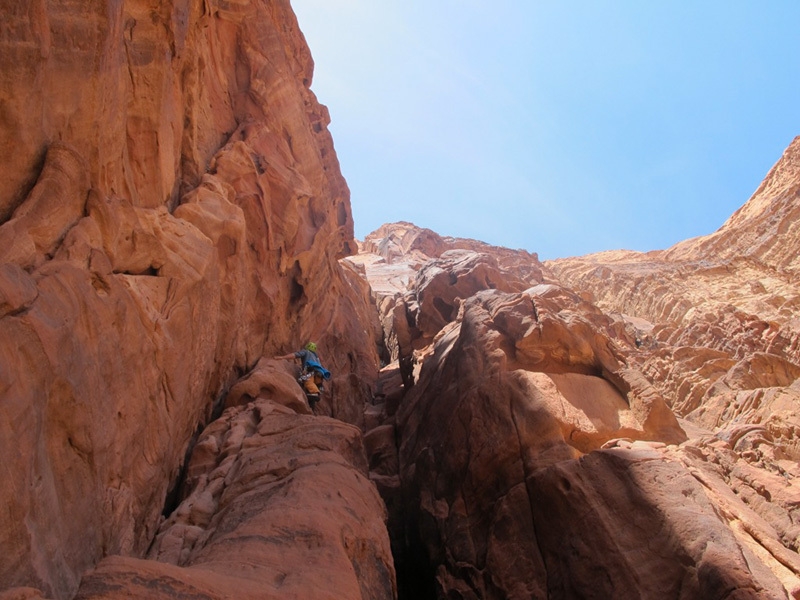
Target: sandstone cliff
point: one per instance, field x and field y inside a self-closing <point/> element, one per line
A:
<point x="717" y="313"/>
<point x="533" y="449"/>
<point x="171" y="211"/>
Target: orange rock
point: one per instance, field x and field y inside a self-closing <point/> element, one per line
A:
<point x="270" y="380"/>
<point x="173" y="211"/>
<point x="276" y="505"/>
<point x="722" y="348"/>
<point x="513" y="386"/>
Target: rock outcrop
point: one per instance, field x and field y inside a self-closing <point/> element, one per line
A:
<point x="275" y="506"/>
<point x="632" y="524"/>
<point x="172" y="211"/>
<point x="746" y="269"/>
<point x="518" y="384"/>
<point x="718" y="337"/>
<point x="535" y="449"/>
<point x="419" y="280"/>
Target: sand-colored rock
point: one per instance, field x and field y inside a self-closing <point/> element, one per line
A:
<point x="272" y="380"/>
<point x="419" y="280"/>
<point x="766" y="228"/>
<point x="753" y="486"/>
<point x="394" y="252"/>
<point x="441" y="285"/>
<point x="734" y="290"/>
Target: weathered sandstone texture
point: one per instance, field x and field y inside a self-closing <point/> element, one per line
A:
<point x="716" y="322"/>
<point x="532" y="449"/>
<point x="742" y="278"/>
<point x="275" y="506"/>
<point x="419" y="280"/>
<point x="393" y="253"/>
<point x="171" y="211"/>
<point x="172" y="217"/>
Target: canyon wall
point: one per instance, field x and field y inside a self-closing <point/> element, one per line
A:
<point x="717" y="314"/>
<point x="173" y="216"/>
<point x="171" y="211"/>
<point x="620" y="425"/>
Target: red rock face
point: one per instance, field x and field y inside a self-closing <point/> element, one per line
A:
<point x="719" y="340"/>
<point x="172" y="211"/>
<point x="172" y="217"/>
<point x="275" y="505"/>
<point x="511" y="388"/>
<point x="538" y="452"/>
<point x="420" y="279"/>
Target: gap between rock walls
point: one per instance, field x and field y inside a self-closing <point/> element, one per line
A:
<point x="173" y="216"/>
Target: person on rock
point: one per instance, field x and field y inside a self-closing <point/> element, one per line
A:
<point x="312" y="373"/>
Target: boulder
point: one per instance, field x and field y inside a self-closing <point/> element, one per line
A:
<point x="508" y="390"/>
<point x="630" y="524"/>
<point x="275" y="505"/>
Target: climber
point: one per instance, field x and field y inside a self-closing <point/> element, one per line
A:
<point x="312" y="373"/>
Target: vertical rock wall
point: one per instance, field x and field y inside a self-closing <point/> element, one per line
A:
<point x="171" y="210"/>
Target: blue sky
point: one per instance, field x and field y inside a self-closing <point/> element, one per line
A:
<point x="563" y="128"/>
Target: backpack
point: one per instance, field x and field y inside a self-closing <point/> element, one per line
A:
<point x="312" y="364"/>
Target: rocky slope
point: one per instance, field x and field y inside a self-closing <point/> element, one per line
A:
<point x="717" y="313"/>
<point x="533" y="450"/>
<point x="172" y="212"/>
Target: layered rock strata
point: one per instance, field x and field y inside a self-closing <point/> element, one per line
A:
<point x="171" y="217"/>
<point x="734" y="290"/>
<point x="719" y="338"/>
<point x="534" y="450"/>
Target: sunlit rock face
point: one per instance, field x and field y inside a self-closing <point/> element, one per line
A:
<point x="717" y="314"/>
<point x="172" y="217"/>
<point x="171" y="211"/>
<point x="619" y="425"/>
<point x="394" y="252"/>
<point x="716" y="319"/>
<point x="734" y="290"/>
<point x="420" y="278"/>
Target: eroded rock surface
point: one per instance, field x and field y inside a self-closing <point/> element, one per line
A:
<point x="419" y="280"/>
<point x="538" y="450"/>
<point x="511" y="388"/>
<point x="171" y="212"/>
<point x="630" y="524"/>
<point x="276" y="506"/>
<point x="718" y="337"/>
<point x="173" y="215"/>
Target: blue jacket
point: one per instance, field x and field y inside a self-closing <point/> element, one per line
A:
<point x="311" y="361"/>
